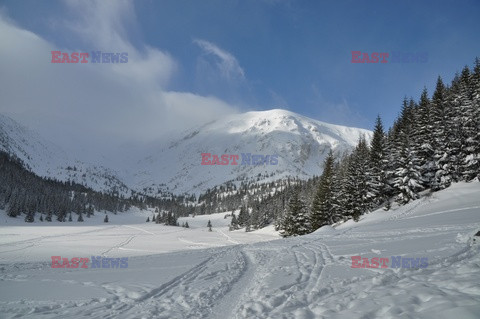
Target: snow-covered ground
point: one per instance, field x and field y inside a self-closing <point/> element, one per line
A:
<point x="249" y="275"/>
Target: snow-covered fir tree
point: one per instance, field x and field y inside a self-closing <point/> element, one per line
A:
<point x="377" y="180"/>
<point x="355" y="186"/>
<point x="323" y="210"/>
<point x="296" y="221"/>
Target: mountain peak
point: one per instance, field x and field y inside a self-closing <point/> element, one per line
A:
<point x="300" y="142"/>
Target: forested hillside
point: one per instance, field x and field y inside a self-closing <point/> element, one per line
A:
<point x="434" y="142"/>
<point x="22" y="193"/>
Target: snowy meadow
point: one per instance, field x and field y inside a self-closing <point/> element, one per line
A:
<point x="175" y="272"/>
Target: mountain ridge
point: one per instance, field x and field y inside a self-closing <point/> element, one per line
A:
<point x="301" y="143"/>
<point x="46" y="159"/>
<point x="174" y="165"/>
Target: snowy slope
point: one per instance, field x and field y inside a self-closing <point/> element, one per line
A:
<point x="301" y="144"/>
<point x="302" y="277"/>
<point x="174" y="164"/>
<point x="48" y="160"/>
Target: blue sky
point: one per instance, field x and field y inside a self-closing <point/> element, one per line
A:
<point x="252" y="54"/>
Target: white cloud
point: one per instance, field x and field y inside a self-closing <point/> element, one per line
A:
<point x="227" y="64"/>
<point x="96" y="106"/>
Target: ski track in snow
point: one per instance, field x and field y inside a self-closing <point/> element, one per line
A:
<point x="120" y="245"/>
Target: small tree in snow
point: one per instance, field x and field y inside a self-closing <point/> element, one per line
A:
<point x="296" y="220"/>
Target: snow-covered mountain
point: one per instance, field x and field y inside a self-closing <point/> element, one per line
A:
<point x="46" y="159"/>
<point x="174" y="165"/>
<point x="301" y="144"/>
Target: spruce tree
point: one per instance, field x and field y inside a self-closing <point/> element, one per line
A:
<point x="423" y="143"/>
<point x="296" y="221"/>
<point x="407" y="180"/>
<point x="29" y="218"/>
<point x="355" y="185"/>
<point x="439" y="135"/>
<point x="233" y="223"/>
<point x="470" y="95"/>
<point x="455" y="135"/>
<point x="377" y="179"/>
<point x="243" y="216"/>
<point x="408" y="177"/>
<point x="323" y="208"/>
<point x="255" y="220"/>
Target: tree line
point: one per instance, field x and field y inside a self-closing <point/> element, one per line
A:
<point x="433" y="143"/>
<point x="22" y="193"/>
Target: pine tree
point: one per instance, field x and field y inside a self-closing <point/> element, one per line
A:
<point x="248" y="226"/>
<point x="233" y="223"/>
<point x="377" y="179"/>
<point x="355" y="185"/>
<point x="423" y="144"/>
<point x="323" y="208"/>
<point x="14" y="204"/>
<point x="456" y="109"/>
<point x="407" y="180"/>
<point x="90" y="211"/>
<point x="440" y="139"/>
<point x="296" y="220"/>
<point x="80" y="217"/>
<point x="408" y="177"/>
<point x="148" y="219"/>
<point x="255" y="220"/>
<point x="243" y="216"/>
<point x="105" y="220"/>
<point x="186" y="225"/>
<point x="29" y="218"/>
<point x="471" y="123"/>
<point x="168" y="219"/>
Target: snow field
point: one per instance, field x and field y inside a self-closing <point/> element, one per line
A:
<point x="301" y="277"/>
